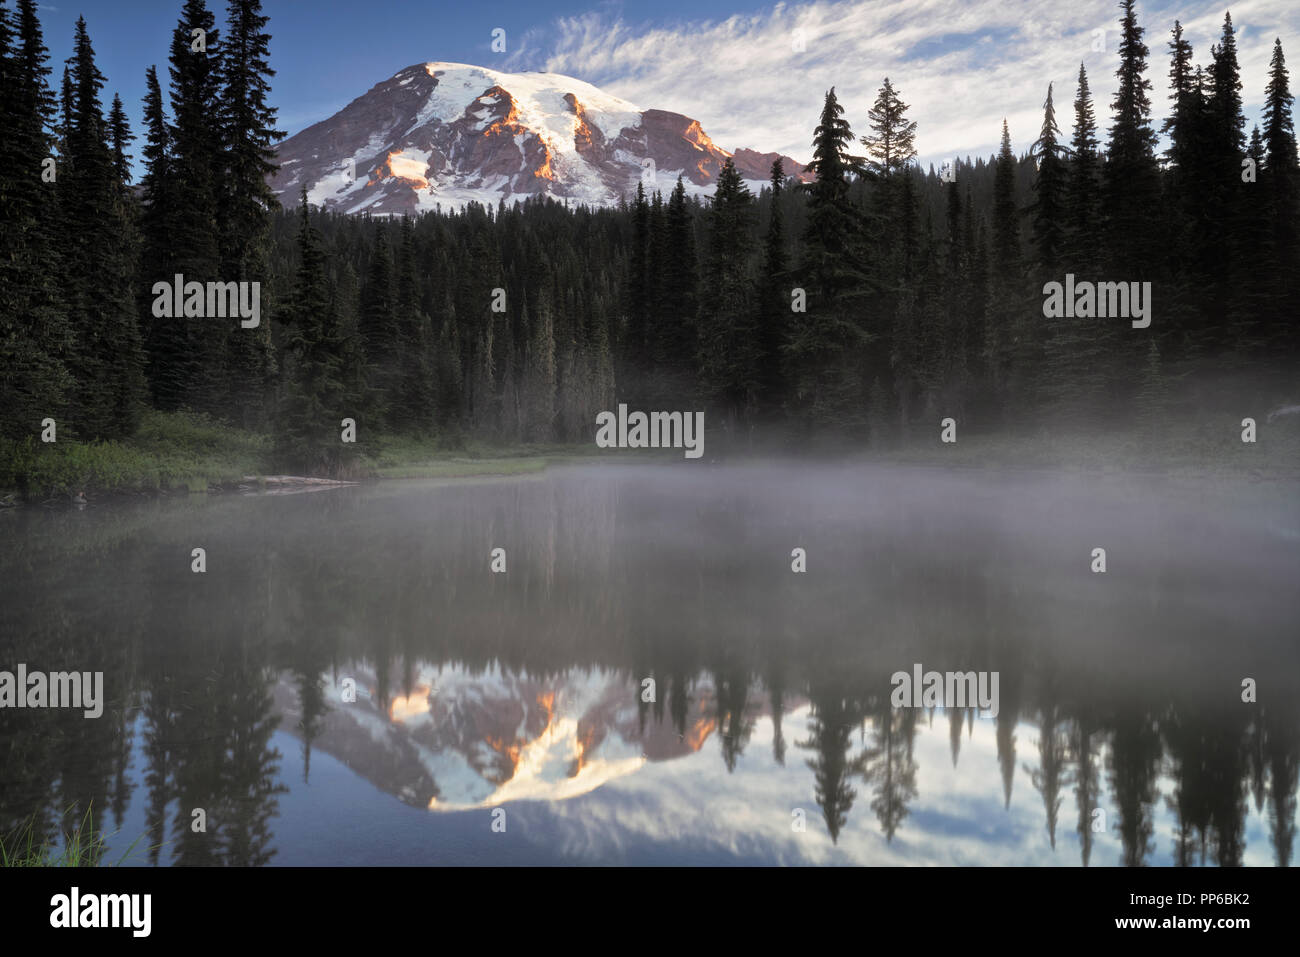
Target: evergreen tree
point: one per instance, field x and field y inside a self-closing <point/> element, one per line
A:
<point x="1006" y="215"/>
<point x="106" y="359"/>
<point x="34" y="333"/>
<point x="196" y="147"/>
<point x="1060" y="342"/>
<point x="313" y="397"/>
<point x="1182" y="79"/>
<point x="659" y="299"/>
<point x="952" y="219"/>
<point x="1281" y="181"/>
<point x="248" y="137"/>
<point x="1225" y="322"/>
<point x="381" y="331"/>
<point x="1225" y="99"/>
<point x="728" y="372"/>
<point x="774" y="304"/>
<point x="415" y="387"/>
<point x="1013" y="333"/>
<point x="890" y="149"/>
<point x="120" y="136"/>
<point x="1279" y="128"/>
<point x="892" y="143"/>
<point x="826" y="341"/>
<point x="677" y="335"/>
<point x="246" y="127"/>
<point x="172" y="364"/>
<point x="636" y="338"/>
<point x="1131" y="175"/>
<point x="1184" y="181"/>
<point x="539" y="375"/>
<point x="66" y="101"/>
<point x="1049" y="189"/>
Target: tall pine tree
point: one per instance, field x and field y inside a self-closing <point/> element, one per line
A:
<point x="107" y="360"/>
<point x="245" y="199"/>
<point x="727" y="347"/>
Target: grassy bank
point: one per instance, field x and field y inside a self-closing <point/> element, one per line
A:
<point x="1210" y="447"/>
<point x="408" y="458"/>
<point x="170" y="452"/>
<point x="183" y="452"/>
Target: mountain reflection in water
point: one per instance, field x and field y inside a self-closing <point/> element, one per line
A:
<point x="1121" y="737"/>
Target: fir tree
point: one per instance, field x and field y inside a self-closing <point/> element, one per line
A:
<point x="1279" y="128"/>
<point x="952" y="219"/>
<point x="1281" y="182"/>
<point x="728" y="370"/>
<point x="1182" y="78"/>
<point x="1049" y="189"/>
<point x="195" y="142"/>
<point x="774" y="305"/>
<point x="312" y="392"/>
<point x="415" y="389"/>
<point x="248" y="135"/>
<point x="1073" y="368"/>
<point x="120" y="137"/>
<point x="34" y="334"/>
<point x="892" y="143"/>
<point x="539" y="376"/>
<point x="106" y="359"/>
<point x="826" y="341"/>
<point x="677" y="337"/>
<point x="1223" y="202"/>
<point x="172" y="364"/>
<point x="1006" y="215"/>
<point x="381" y="330"/>
<point x="1131" y="175"/>
<point x="890" y="149"/>
<point x="1225" y="99"/>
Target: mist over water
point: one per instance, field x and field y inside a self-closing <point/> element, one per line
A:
<point x="1120" y="693"/>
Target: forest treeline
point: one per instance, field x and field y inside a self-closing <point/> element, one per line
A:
<point x="862" y="306"/>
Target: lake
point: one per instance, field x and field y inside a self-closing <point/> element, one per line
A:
<point x="649" y="681"/>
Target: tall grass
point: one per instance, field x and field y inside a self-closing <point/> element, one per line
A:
<point x="170" y="450"/>
<point x="84" y="846"/>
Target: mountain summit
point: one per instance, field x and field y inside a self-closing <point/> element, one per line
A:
<point x="445" y="134"/>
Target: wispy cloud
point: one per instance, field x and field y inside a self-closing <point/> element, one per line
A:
<point x="758" y="80"/>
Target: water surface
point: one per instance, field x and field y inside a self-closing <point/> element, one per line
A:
<point x="1120" y="738"/>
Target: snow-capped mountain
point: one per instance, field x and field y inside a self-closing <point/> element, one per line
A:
<point x="449" y="133"/>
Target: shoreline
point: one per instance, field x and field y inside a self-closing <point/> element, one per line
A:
<point x="176" y="454"/>
<point x="507" y="466"/>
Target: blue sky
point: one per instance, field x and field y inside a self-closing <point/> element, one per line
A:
<point x="752" y="73"/>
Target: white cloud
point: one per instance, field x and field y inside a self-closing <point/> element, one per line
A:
<point x="960" y="67"/>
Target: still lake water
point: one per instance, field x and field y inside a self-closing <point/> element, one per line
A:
<point x="1120" y="738"/>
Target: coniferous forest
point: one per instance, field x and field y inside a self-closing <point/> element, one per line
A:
<point x="858" y="308"/>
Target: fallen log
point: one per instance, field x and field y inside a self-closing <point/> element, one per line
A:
<point x="293" y="480"/>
